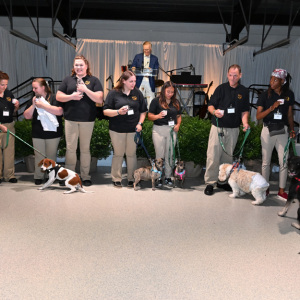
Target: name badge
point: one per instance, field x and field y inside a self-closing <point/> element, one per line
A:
<point x="5" y="113"/>
<point x="231" y="110"/>
<point x="277" y="116"/>
<point x="130" y="112"/>
<point x="171" y="123"/>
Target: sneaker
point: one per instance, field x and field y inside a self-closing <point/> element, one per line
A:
<point x="168" y="182"/>
<point x="282" y="196"/>
<point x="13" y="180"/>
<point x="225" y="187"/>
<point x="209" y="190"/>
<point x="86" y="182"/>
<point x="159" y="183"/>
<point x="61" y="183"/>
<point x="117" y="184"/>
<point x="130" y="184"/>
<point x="38" y="181"/>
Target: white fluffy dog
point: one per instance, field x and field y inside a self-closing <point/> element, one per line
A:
<point x="243" y="181"/>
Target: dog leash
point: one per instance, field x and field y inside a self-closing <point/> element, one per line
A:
<point x="138" y="139"/>
<point x="240" y="151"/>
<point x="172" y="161"/>
<point x="286" y="149"/>
<point x="7" y="138"/>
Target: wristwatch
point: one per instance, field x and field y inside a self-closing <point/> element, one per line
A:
<point x="140" y="123"/>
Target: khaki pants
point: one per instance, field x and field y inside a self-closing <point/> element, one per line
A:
<point x="215" y="154"/>
<point x="47" y="147"/>
<point x="123" y="143"/>
<point x="7" y="155"/>
<point x="83" y="131"/>
<point x="267" y="144"/>
<point x="163" y="145"/>
<point x="145" y="88"/>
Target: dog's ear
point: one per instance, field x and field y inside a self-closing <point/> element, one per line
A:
<point x="40" y="163"/>
<point x="52" y="162"/>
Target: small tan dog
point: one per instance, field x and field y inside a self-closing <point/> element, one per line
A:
<point x="149" y="173"/>
<point x="243" y="181"/>
<point x="179" y="173"/>
<point x="55" y="171"/>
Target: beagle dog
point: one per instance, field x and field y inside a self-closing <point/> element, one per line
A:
<point x="55" y="171"/>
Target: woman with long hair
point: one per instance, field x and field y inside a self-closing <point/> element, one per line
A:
<point x="165" y="112"/>
<point x="126" y="108"/>
<point x="79" y="93"/>
<point x="46" y="114"/>
<point x="275" y="107"/>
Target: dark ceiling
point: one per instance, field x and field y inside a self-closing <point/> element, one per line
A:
<point x="231" y="12"/>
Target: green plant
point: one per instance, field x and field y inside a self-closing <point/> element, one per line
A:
<point x="24" y="131"/>
<point x="193" y="140"/>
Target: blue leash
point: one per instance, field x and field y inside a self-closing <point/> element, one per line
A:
<point x="138" y="138"/>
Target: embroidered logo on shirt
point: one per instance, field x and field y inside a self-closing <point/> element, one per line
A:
<point x="8" y="99"/>
<point x="287" y="98"/>
<point x="240" y="96"/>
<point x="134" y="98"/>
<point x="87" y="82"/>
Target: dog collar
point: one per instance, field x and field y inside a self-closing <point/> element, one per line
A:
<point x="298" y="186"/>
<point x="180" y="174"/>
<point x="156" y="171"/>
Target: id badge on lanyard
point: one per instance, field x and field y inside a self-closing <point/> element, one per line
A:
<point x="5" y="112"/>
<point x="231" y="110"/>
<point x="171" y="122"/>
<point x="278" y="116"/>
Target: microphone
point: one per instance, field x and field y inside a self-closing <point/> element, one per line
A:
<point x="193" y="69"/>
<point x="129" y="64"/>
<point x="108" y="78"/>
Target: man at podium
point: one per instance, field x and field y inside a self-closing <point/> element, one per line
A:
<point x="146" y="61"/>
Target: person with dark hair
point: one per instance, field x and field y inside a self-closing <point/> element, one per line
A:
<point x="46" y="114"/>
<point x="79" y="93"/>
<point x="8" y="105"/>
<point x="165" y="111"/>
<point x="229" y="106"/>
<point x="146" y="60"/>
<point x="126" y="108"/>
<point x="275" y="108"/>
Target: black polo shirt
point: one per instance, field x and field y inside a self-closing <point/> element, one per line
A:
<point x="7" y="107"/>
<point x="266" y="102"/>
<point x="115" y="100"/>
<point x="225" y="97"/>
<point x="172" y="112"/>
<point x="83" y="110"/>
<point x="37" y="128"/>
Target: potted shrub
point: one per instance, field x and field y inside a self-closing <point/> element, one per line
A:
<point x="24" y="131"/>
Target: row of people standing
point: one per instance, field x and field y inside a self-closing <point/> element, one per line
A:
<point x="126" y="108"/>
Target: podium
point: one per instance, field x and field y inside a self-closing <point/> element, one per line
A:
<point x="146" y="72"/>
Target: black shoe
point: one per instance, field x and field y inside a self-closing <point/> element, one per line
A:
<point x="130" y="184"/>
<point x="13" y="180"/>
<point x="38" y="181"/>
<point x="61" y="183"/>
<point x="0" y="180"/>
<point x="86" y="183"/>
<point x="209" y="190"/>
<point x="117" y="184"/>
<point x="225" y="187"/>
<point x="168" y="182"/>
<point x="159" y="183"/>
